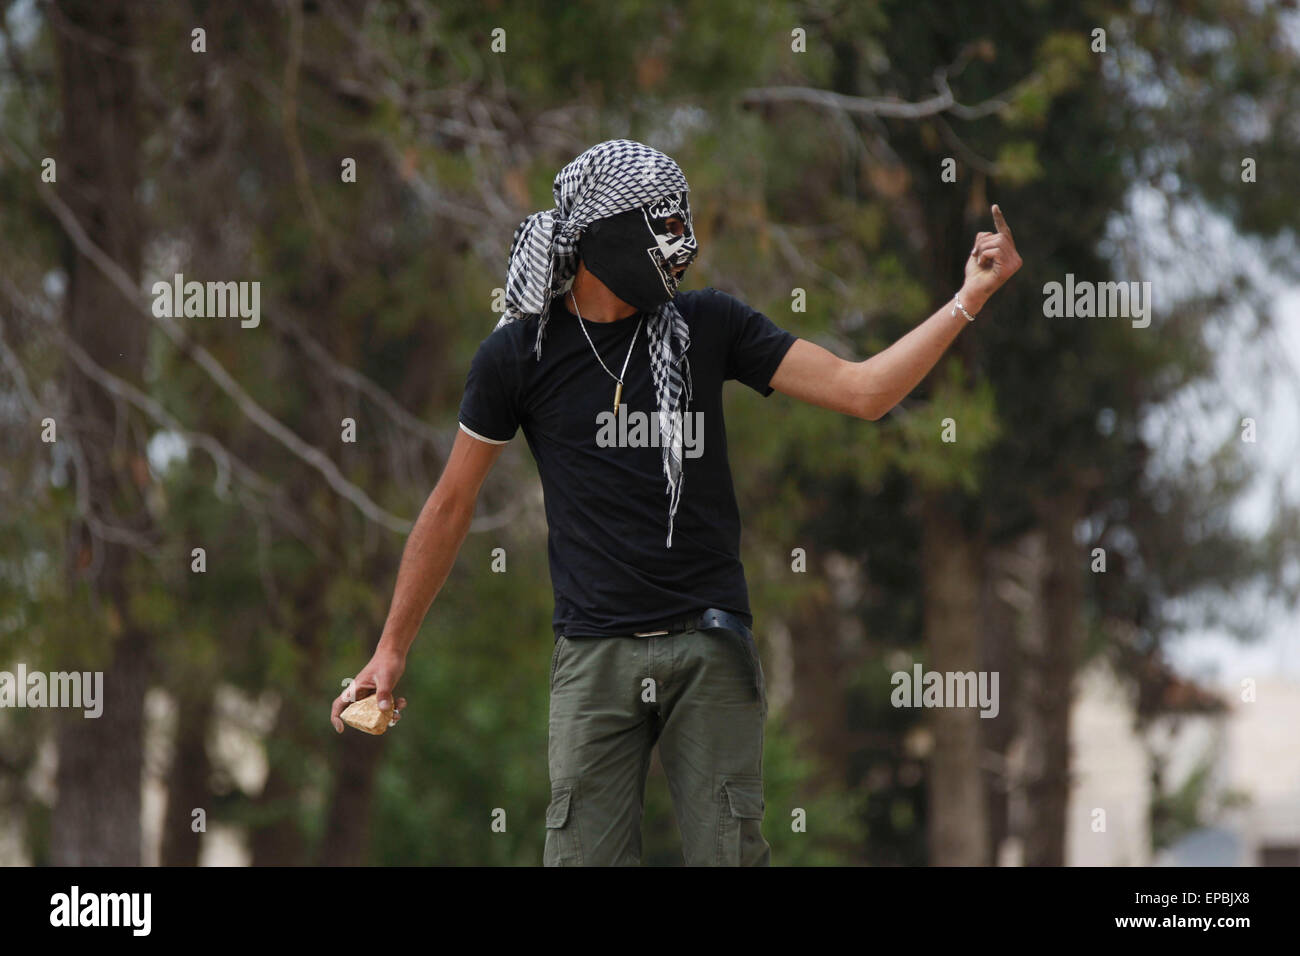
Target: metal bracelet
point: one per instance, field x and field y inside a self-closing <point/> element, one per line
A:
<point x="957" y="299"/>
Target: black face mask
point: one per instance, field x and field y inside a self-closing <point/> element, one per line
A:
<point x="634" y="253"/>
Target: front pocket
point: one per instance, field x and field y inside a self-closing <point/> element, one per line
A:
<point x="555" y="657"/>
<point x="740" y="819"/>
<point x="755" y="666"/>
<point x="563" y="845"/>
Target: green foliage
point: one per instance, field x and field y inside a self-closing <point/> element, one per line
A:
<point x="944" y="440"/>
<point x="393" y="280"/>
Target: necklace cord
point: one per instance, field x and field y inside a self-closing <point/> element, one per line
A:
<point x="619" y="377"/>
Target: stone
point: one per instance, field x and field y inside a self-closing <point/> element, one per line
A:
<point x="365" y="715"/>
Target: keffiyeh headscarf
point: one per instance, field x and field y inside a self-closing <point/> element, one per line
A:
<point x="609" y="178"/>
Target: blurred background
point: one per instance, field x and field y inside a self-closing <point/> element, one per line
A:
<point x="1114" y="531"/>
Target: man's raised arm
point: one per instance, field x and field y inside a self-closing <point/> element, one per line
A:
<point x="871" y="388"/>
<point x="430" y="552"/>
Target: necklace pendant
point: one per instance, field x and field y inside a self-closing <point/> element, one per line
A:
<point x="618" y="396"/>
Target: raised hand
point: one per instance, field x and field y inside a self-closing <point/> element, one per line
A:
<point x="993" y="260"/>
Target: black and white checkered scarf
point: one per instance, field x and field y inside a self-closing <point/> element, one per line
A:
<point x="608" y="179"/>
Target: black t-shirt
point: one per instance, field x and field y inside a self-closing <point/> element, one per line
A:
<point x="607" y="507"/>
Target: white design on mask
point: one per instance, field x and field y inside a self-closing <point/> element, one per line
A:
<point x="670" y="252"/>
<point x="670" y="205"/>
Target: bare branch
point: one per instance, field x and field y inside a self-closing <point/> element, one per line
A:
<point x="888" y="106"/>
<point x="289" y="116"/>
<point x="310" y="455"/>
<point x="100" y="529"/>
<point x="441" y="441"/>
<point x="225" y="461"/>
<point x="972" y="158"/>
<point x="217" y="372"/>
<point x="857" y="105"/>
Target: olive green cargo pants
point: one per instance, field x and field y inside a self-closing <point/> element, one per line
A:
<point x="702" y="697"/>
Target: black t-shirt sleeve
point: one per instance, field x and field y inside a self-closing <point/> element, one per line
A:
<point x="755" y="345"/>
<point x="489" y="408"/>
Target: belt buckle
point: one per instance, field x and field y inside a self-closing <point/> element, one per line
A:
<point x="649" y="633"/>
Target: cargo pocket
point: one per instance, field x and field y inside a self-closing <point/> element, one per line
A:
<point x="563" y="847"/>
<point x="740" y="823"/>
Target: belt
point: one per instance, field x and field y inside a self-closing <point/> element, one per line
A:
<point x="711" y="619"/>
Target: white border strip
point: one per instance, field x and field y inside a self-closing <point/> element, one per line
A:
<point x="474" y="434"/>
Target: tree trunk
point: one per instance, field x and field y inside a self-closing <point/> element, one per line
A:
<point x="958" y="822"/>
<point x="276" y="838"/>
<point x="1001" y="654"/>
<point x="187" y="783"/>
<point x="1051" y="661"/>
<point x="347" y="828"/>
<point x="96" y="818"/>
<point x="831" y="644"/>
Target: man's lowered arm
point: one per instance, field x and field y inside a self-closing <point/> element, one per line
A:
<point x="430" y="552"/>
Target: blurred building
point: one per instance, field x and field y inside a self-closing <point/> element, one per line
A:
<point x="1226" y="757"/>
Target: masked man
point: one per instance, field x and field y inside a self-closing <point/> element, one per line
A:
<point x="615" y="377"/>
